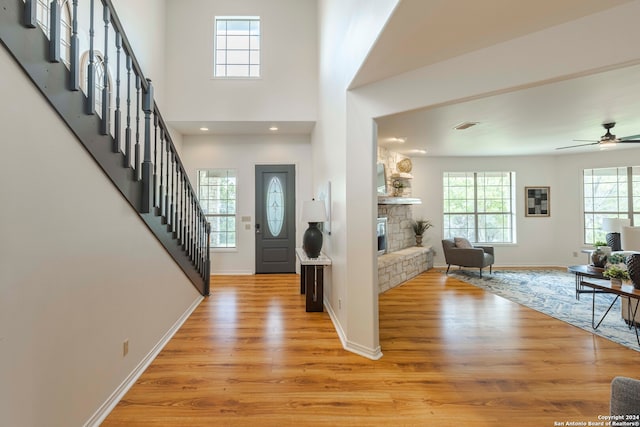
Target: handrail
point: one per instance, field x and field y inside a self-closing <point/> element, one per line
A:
<point x="166" y="189"/>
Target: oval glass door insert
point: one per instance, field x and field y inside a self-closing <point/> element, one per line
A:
<point x="275" y="206"/>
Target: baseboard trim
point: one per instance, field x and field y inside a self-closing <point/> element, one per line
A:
<point x="232" y="273"/>
<point x="105" y="409"/>
<point x="369" y="353"/>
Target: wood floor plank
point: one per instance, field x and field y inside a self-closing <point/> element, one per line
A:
<point x="453" y="355"/>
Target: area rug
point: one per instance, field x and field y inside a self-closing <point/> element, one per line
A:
<point x="553" y="292"/>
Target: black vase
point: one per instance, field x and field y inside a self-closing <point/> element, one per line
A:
<point x="633" y="267"/>
<point x="312" y="241"/>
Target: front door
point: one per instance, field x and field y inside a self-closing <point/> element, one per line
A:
<point x="275" y="219"/>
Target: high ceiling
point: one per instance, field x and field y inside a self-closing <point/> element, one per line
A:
<point x="527" y="121"/>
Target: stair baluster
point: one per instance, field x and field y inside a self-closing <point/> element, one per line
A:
<point x="105" y="124"/>
<point x="74" y="65"/>
<point x="54" y="31"/>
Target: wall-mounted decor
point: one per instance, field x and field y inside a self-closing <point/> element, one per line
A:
<point x="537" y="201"/>
<point x="325" y="195"/>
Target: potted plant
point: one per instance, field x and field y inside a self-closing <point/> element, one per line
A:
<point x="419" y="227"/>
<point x="603" y="246"/>
<point x="616" y="275"/>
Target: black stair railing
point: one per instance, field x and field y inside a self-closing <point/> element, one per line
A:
<point x="141" y="137"/>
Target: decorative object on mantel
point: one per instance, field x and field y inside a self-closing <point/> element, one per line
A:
<point x="404" y="165"/>
<point x="419" y="227"/>
<point x="313" y="212"/>
<point x="398" y="185"/>
<point x="633" y="268"/>
<point x="616" y="275"/>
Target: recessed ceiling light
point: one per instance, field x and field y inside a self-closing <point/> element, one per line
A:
<point x="465" y="125"/>
<point x="273" y="128"/>
<point x="204" y="129"/>
<point x="398" y="139"/>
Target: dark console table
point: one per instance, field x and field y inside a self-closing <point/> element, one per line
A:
<point x="311" y="279"/>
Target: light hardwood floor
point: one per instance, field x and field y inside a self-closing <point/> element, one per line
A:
<point x="454" y="355"/>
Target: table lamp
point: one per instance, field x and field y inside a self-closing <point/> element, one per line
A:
<point x="614" y="226"/>
<point x="313" y="212"/>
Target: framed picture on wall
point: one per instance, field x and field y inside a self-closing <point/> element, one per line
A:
<point x="537" y="201"/>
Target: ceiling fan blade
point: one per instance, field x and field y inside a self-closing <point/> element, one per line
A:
<point x="585" y="140"/>
<point x="579" y="145"/>
<point x="630" y="137"/>
<point x="624" y="141"/>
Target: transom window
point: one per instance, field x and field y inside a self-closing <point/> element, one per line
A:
<point x="609" y="193"/>
<point x="479" y="206"/>
<point x="217" y="196"/>
<point x="237" y="46"/>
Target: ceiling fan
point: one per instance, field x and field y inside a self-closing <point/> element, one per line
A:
<point x="606" y="140"/>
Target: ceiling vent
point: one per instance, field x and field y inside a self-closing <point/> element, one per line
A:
<point x="464" y="125"/>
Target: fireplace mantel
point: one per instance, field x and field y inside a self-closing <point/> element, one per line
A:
<point x="387" y="200"/>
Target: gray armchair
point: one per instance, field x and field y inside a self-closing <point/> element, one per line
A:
<point x="625" y="396"/>
<point x="476" y="256"/>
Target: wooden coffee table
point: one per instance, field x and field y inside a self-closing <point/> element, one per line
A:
<point x="588" y="271"/>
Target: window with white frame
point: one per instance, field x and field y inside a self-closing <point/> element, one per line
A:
<point x="479" y="206"/>
<point x="217" y="196"/>
<point x="609" y="193"/>
<point x="43" y="17"/>
<point x="237" y="46"/>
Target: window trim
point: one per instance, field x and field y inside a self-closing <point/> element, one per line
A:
<point x="214" y="49"/>
<point x="234" y="215"/>
<point x="631" y="211"/>
<point x="476" y="214"/>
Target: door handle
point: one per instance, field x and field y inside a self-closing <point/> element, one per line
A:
<point x="257" y="228"/>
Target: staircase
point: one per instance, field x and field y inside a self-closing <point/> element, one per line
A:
<point x="113" y="115"/>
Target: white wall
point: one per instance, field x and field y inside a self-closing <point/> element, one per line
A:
<point x="79" y="271"/>
<point x="541" y="241"/>
<point x="347" y="31"/>
<point x="144" y="23"/>
<point x="346" y="121"/>
<point x="287" y="89"/>
<point x="243" y="153"/>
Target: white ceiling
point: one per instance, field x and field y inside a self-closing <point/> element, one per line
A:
<point x="530" y="121"/>
<point x="243" y="128"/>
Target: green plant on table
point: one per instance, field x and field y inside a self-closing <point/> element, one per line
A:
<point x="615" y="272"/>
<point x="600" y="243"/>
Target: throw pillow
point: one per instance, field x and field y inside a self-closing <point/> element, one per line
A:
<point x="463" y="243"/>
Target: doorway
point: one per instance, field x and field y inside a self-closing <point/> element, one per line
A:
<point x="275" y="228"/>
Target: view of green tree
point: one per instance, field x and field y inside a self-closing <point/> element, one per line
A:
<point x="217" y="195"/>
<point x="479" y="206"/>
<point x="609" y="193"/>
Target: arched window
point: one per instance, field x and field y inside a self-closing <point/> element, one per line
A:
<point x="44" y="19"/>
<point x="98" y="81"/>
